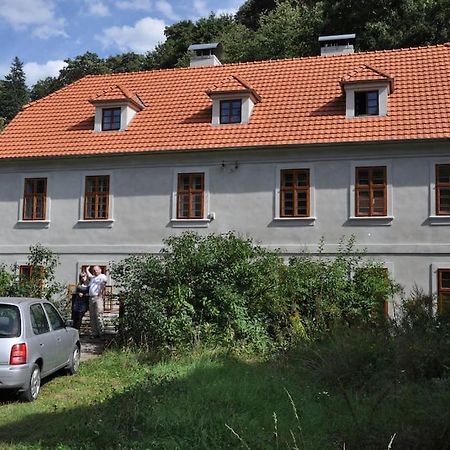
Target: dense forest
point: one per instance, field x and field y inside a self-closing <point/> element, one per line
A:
<point x="261" y="29"/>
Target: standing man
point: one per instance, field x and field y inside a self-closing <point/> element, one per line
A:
<point x="97" y="283"/>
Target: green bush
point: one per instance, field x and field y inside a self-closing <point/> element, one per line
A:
<point x="224" y="289"/>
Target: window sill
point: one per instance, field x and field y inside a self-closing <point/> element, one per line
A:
<point x="372" y="220"/>
<point x="33" y="223"/>
<point x="300" y="220"/>
<point x="439" y="220"/>
<point x="96" y="223"/>
<point x="190" y="223"/>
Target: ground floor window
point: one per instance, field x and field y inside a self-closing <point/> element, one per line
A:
<point x="444" y="292"/>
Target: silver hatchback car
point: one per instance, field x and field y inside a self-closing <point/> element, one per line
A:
<point x="34" y="342"/>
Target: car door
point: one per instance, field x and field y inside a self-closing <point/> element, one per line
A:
<point x="62" y="336"/>
<point x="42" y="339"/>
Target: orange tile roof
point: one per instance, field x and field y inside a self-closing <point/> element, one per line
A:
<point x="115" y="93"/>
<point x="233" y="84"/>
<point x="302" y="103"/>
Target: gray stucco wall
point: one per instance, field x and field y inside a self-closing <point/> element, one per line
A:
<point x="242" y="195"/>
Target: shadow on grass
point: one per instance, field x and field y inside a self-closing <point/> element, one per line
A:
<point x="184" y="405"/>
<point x="188" y="404"/>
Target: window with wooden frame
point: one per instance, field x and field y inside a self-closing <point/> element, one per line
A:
<point x="96" y="197"/>
<point x="443" y="189"/>
<point x="111" y="119"/>
<point x="370" y="192"/>
<point x="295" y="193"/>
<point x="230" y="111"/>
<point x="366" y="103"/>
<point x="27" y="274"/>
<point x="444" y="292"/>
<point x="34" y="199"/>
<point x="190" y="195"/>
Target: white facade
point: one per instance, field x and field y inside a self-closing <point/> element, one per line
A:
<point x="241" y="194"/>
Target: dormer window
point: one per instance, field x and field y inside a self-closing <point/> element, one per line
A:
<point x="115" y="107"/>
<point x="230" y="111"/>
<point x="366" y="92"/>
<point x="233" y="101"/>
<point x="111" y="119"/>
<point x="366" y="103"/>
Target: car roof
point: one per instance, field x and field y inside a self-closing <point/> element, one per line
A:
<point x="19" y="300"/>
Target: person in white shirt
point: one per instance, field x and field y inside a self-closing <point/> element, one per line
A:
<point x="97" y="283"/>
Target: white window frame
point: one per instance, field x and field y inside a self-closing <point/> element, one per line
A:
<point x="383" y="92"/>
<point x="309" y="220"/>
<point x="207" y="215"/>
<point x="97" y="222"/>
<point x="372" y="220"/>
<point x="127" y="114"/>
<point x="433" y="218"/>
<point x="34" y="223"/>
<point x="247" y="106"/>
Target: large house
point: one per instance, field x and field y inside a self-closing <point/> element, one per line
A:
<point x="283" y="151"/>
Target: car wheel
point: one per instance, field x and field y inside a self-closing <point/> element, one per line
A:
<point x="31" y="391"/>
<point x="74" y="364"/>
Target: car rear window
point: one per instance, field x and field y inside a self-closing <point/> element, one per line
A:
<point x="10" y="324"/>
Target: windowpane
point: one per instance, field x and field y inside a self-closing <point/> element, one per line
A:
<point x="39" y="321"/>
<point x="443" y="172"/>
<point x="366" y="103"/>
<point x="443" y="189"/>
<point x="55" y="319"/>
<point x="444" y="292"/>
<point x="34" y="199"/>
<point x="111" y="119"/>
<point x="294" y="193"/>
<point x="445" y="279"/>
<point x="190" y="195"/>
<point x="96" y="199"/>
<point x="371" y="191"/>
<point x="230" y="111"/>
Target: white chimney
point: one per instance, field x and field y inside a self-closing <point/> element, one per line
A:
<point x="206" y="54"/>
<point x="341" y="44"/>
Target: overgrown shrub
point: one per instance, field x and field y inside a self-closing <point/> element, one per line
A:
<point x="40" y="282"/>
<point x="224" y="289"/>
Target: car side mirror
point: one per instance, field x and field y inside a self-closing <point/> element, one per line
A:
<point x="69" y="323"/>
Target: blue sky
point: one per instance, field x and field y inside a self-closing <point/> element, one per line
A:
<point x="42" y="33"/>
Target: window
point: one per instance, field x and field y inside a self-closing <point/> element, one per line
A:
<point x="443" y="189"/>
<point x="96" y="197"/>
<point x="34" y="199"/>
<point x="444" y="292"/>
<point x="230" y="111"/>
<point x="10" y="324"/>
<point x="111" y="119"/>
<point x="27" y="274"/>
<point x="190" y="195"/>
<point x="55" y="319"/>
<point x="295" y="193"/>
<point x="370" y="191"/>
<point x="366" y="103"/>
<point x="39" y="321"/>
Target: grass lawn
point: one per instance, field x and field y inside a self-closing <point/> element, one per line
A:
<point x="209" y="400"/>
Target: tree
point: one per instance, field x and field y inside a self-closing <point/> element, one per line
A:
<point x="125" y="62"/>
<point x="250" y="12"/>
<point x="44" y="87"/>
<point x="13" y="92"/>
<point x="82" y="65"/>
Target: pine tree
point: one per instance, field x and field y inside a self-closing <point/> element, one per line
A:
<point x="13" y="92"/>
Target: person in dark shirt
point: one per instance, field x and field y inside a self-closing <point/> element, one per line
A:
<point x="80" y="300"/>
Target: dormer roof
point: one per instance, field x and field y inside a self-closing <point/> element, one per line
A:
<point x="233" y="85"/>
<point x="117" y="93"/>
<point x="364" y="74"/>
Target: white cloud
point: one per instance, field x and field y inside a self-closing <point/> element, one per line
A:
<point x="35" y="71"/>
<point x="97" y="8"/>
<point x="166" y="8"/>
<point x="201" y="7"/>
<point x="141" y="37"/>
<point x="144" y="5"/>
<point x="222" y="11"/>
<point x="38" y="14"/>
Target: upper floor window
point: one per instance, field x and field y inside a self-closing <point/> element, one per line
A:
<point x="190" y="195"/>
<point x="34" y="199"/>
<point x="366" y="103"/>
<point x="370" y="191"/>
<point x="444" y="292"/>
<point x="230" y="111"/>
<point x="96" y="197"/>
<point x="111" y="119"/>
<point x="294" y="193"/>
<point x="443" y="189"/>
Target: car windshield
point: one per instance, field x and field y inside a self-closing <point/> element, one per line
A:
<point x="9" y="321"/>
